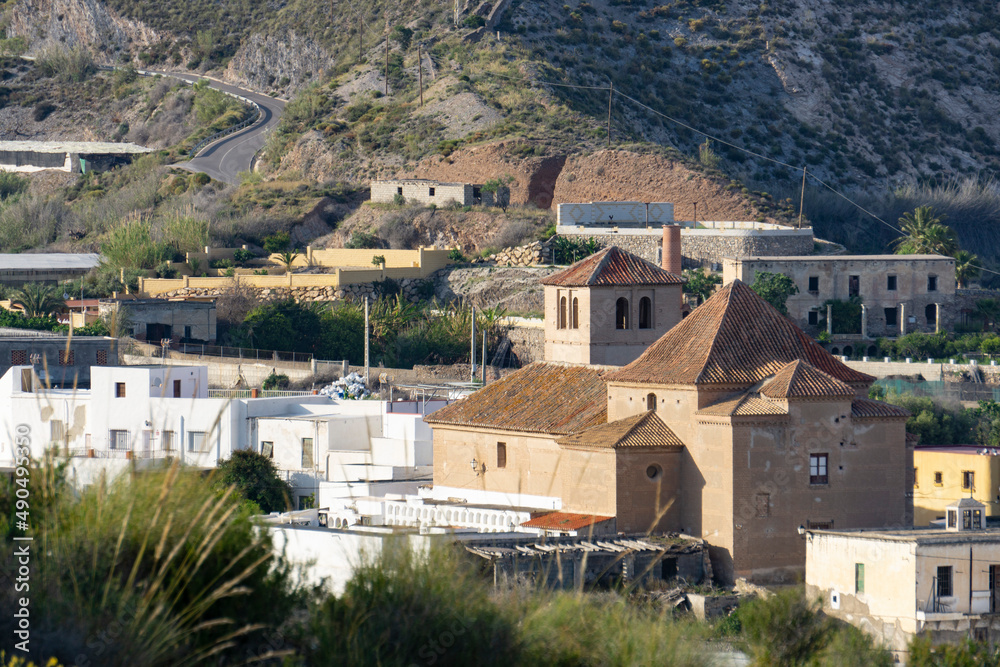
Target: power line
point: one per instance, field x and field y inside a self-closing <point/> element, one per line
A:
<point x="676" y="121"/>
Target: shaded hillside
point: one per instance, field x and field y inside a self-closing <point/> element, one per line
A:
<point x="868" y="96"/>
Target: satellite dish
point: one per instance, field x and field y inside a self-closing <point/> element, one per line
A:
<point x="65" y="295"/>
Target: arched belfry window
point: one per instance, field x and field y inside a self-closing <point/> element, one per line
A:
<point x="575" y="314"/>
<point x="562" y="312"/>
<point x="645" y="313"/>
<point x="621" y="313"/>
<point x="651" y="402"/>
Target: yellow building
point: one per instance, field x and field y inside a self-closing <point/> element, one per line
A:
<point x="946" y="474"/>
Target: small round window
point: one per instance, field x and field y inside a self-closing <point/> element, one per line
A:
<point x="654" y="472"/>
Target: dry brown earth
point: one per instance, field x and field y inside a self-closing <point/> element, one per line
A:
<point x="606" y="175"/>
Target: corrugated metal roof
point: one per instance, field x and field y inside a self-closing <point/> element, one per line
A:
<point x="865" y="408"/>
<point x="734" y="338"/>
<point x="799" y="379"/>
<point x="542" y="397"/>
<point x="613" y="266"/>
<point x="564" y="521"/>
<point x="48" y="261"/>
<point x="645" y="429"/>
<point x="748" y="404"/>
<point x="86" y="147"/>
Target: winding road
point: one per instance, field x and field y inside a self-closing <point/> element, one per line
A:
<point x="224" y="159"/>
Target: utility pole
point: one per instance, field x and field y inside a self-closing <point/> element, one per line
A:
<point x="366" y="341"/>
<point x="472" y="377"/>
<point x="611" y="94"/>
<point x="802" y="197"/>
<point x="484" y="358"/>
<point x="420" y="71"/>
<point x="361" y="36"/>
<point x="387" y="56"/>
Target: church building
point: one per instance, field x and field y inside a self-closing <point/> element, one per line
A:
<point x="733" y="426"/>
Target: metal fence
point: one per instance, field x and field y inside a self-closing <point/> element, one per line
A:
<point x="263" y="393"/>
<point x="952" y="391"/>
<point x="242" y="353"/>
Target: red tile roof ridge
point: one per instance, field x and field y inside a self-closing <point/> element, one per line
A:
<point x="611" y="436"/>
<point x="801" y="380"/>
<point x="612" y="266"/>
<point x="734" y="338"/>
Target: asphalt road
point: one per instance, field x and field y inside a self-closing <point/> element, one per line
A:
<point x="227" y="157"/>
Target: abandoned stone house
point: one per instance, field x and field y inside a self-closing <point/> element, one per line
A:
<point x="425" y="192"/>
<point x="153" y="320"/>
<point x="900" y="294"/>
<point x="734" y="426"/>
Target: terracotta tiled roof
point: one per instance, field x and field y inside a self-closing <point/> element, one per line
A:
<point x="801" y="379"/>
<point x="540" y="398"/>
<point x="613" y="266"/>
<point x="641" y="430"/>
<point x="564" y="521"/>
<point x="865" y="408"/>
<point x="733" y="338"/>
<point x="748" y="404"/>
<point x="911" y="438"/>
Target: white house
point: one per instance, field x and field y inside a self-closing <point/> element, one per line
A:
<point x="899" y="583"/>
<point x="323" y="447"/>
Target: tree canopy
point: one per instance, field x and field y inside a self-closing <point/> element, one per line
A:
<point x="256" y="478"/>
<point x="925" y="234"/>
<point x="701" y="283"/>
<point x="775" y="288"/>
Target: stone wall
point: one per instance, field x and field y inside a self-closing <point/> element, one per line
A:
<point x="703" y="247"/>
<point x="535" y="253"/>
<point x="527" y="344"/>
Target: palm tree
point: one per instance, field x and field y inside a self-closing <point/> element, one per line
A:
<point x="925" y="234"/>
<point x="965" y="267"/>
<point x="989" y="311"/>
<point x="36" y="299"/>
<point x="287" y="257"/>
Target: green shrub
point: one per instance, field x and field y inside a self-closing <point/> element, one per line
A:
<point x="276" y="242"/>
<point x="12" y="184"/>
<point x="130" y="245"/>
<point x="474" y="21"/>
<point x="165" y="270"/>
<point x="275" y="381"/>
<point x="362" y="241"/>
<point x="242" y="256"/>
<point x="456" y="255"/>
<point x="150" y="569"/>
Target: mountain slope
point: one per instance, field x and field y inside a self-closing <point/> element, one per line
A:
<point x="867" y="95"/>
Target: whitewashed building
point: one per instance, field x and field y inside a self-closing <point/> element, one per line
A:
<point x="132" y="415"/>
<point x="897" y="583"/>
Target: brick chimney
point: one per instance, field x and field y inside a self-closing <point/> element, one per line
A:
<point x="672" y="249"/>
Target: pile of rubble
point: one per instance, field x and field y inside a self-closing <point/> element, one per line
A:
<point x="535" y="253"/>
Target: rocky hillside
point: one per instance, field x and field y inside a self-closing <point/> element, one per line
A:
<point x="867" y="96"/>
<point x="859" y="93"/>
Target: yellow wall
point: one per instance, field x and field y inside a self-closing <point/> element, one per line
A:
<point x="930" y="499"/>
<point x="400" y="264"/>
